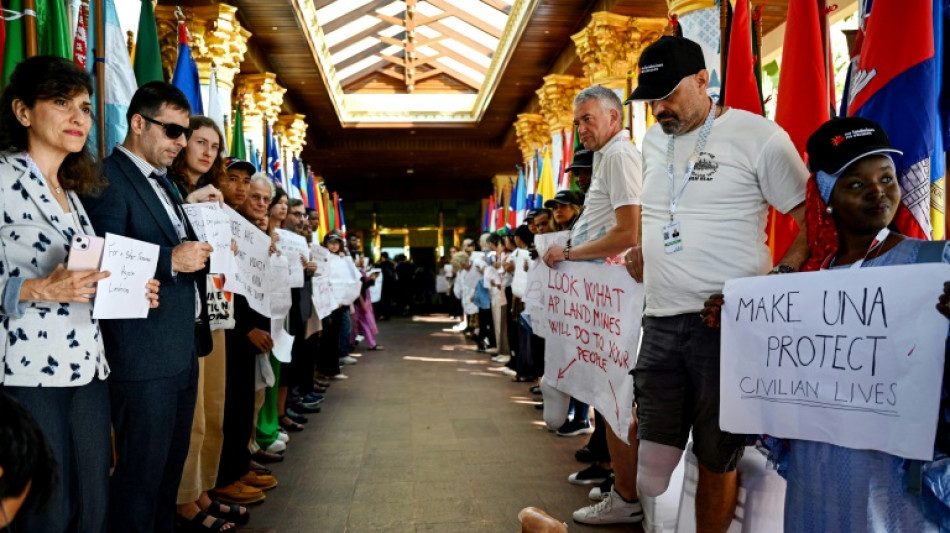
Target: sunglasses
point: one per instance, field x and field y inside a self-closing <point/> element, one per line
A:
<point x="172" y="131"/>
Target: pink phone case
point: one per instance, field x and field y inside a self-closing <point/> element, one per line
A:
<point x="85" y="252"/>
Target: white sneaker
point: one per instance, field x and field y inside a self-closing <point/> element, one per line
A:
<point x="509" y="372"/>
<point x="611" y="510"/>
<point x="277" y="447"/>
<point x="339" y="377"/>
<point x="503" y="359"/>
<point x="283" y="437"/>
<point x="348" y="360"/>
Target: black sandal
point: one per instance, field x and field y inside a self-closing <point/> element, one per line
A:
<point x="233" y="513"/>
<point x="289" y="425"/>
<point x="196" y="524"/>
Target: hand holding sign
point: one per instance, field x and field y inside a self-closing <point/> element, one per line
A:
<point x="190" y="256"/>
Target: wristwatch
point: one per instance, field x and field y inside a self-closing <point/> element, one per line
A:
<point x="567" y="252"/>
<point x="782" y="268"/>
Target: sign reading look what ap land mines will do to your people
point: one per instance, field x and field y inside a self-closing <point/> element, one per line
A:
<point x="851" y="357"/>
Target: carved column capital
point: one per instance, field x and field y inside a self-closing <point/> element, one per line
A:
<point x="216" y="36"/>
<point x="532" y="132"/>
<point x="556" y="97"/>
<point x="609" y="47"/>
<point x="263" y="97"/>
<point x="293" y="129"/>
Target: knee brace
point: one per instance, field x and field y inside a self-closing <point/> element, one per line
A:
<point x="556" y="405"/>
<point x="655" y="465"/>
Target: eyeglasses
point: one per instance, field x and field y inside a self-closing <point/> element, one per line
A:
<point x="172" y="131"/>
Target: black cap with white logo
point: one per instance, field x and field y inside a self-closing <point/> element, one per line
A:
<point x="663" y="65"/>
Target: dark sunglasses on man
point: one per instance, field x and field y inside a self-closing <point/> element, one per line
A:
<point x="172" y="131"/>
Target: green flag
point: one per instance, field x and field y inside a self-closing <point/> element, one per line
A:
<point x="52" y="29"/>
<point x="148" y="57"/>
<point x="14" y="51"/>
<point x="577" y="146"/>
<point x="238" y="149"/>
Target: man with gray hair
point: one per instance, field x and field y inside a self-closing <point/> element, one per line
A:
<point x="608" y="227"/>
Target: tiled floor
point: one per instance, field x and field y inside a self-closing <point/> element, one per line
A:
<point x="423" y="437"/>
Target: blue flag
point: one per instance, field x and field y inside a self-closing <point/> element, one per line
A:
<point x="186" y="73"/>
<point x="273" y="159"/>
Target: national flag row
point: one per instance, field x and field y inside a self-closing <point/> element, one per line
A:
<point x="55" y="36"/>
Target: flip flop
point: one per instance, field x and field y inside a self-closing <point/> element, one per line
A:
<point x="196" y="524"/>
<point x="233" y="513"/>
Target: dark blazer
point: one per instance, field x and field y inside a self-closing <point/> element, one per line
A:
<point x="163" y="344"/>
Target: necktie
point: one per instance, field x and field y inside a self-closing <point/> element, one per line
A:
<point x="171" y="194"/>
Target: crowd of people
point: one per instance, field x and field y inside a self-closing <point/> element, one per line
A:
<point x="684" y="214"/>
<point x="194" y="394"/>
<point x="199" y="404"/>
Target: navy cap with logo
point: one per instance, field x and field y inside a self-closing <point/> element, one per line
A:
<point x="531" y="214"/>
<point x="664" y="64"/>
<point x="240" y="164"/>
<point x="838" y="143"/>
<point x="582" y="159"/>
<point x="565" y="197"/>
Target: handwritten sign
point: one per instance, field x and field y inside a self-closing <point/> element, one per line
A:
<point x="322" y="297"/>
<point x="591" y="323"/>
<point x="278" y="285"/>
<point x="344" y="279"/>
<point x="131" y="264"/>
<point x="251" y="263"/>
<point x="213" y="226"/>
<point x="537" y="274"/>
<point x="851" y="357"/>
<point x="283" y="341"/>
<point x="296" y="249"/>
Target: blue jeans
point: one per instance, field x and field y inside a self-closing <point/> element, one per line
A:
<point x="75" y="422"/>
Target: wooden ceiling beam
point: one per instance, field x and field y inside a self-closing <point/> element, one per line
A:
<point x="391" y="20"/>
<point x="393" y="73"/>
<point x="429" y="73"/>
<point x="320" y="4"/>
<point x="354" y="15"/>
<point x="448" y="52"/>
<point x="466" y="17"/>
<point x="372" y="31"/>
<point x="361" y="73"/>
<point x="435" y="18"/>
<point x="356" y="58"/>
<point x="449" y="71"/>
<point x="471" y="43"/>
<point x="499" y="5"/>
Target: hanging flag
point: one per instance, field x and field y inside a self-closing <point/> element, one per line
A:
<point x="339" y="213"/>
<point x="512" y="220"/>
<point x="186" y="72"/>
<point x="938" y="165"/>
<point x="238" y="148"/>
<point x="52" y="29"/>
<point x="295" y="179"/>
<point x="521" y="199"/>
<point x="490" y="226"/>
<point x="148" y="55"/>
<point x="331" y="216"/>
<point x="255" y="155"/>
<point x="741" y="85"/>
<point x="214" y="105"/>
<point x="895" y="84"/>
<point x="119" y="78"/>
<point x="546" y="183"/>
<point x="3" y="39"/>
<point x="14" y="46"/>
<point x="803" y="102"/>
<point x="500" y="214"/>
<point x="80" y="38"/>
<point x="273" y="158"/>
<point x="324" y="211"/>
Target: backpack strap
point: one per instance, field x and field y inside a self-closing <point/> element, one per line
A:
<point x="932" y="251"/>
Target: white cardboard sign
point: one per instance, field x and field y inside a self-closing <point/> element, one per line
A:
<point x="851" y="357"/>
<point x="251" y="263"/>
<point x="131" y="263"/>
<point x="295" y="248"/>
<point x="213" y="226"/>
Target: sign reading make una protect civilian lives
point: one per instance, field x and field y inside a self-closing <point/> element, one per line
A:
<point x="852" y="357"/>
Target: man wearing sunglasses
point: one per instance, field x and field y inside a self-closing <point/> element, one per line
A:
<point x="154" y="362"/>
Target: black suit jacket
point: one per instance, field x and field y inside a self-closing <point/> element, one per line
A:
<point x="163" y="344"/>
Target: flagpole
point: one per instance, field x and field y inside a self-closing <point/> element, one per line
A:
<point x="29" y="28"/>
<point x="100" y="66"/>
<point x="825" y="31"/>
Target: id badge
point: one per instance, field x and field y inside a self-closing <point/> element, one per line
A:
<point x="672" y="242"/>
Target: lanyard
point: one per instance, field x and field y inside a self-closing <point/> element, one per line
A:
<point x="875" y="244"/>
<point x="676" y="196"/>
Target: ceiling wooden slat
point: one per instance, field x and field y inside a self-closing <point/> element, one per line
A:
<point x="356" y="76"/>
<point x="499" y="5"/>
<point x="471" y="43"/>
<point x="354" y="15"/>
<point x="467" y="17"/>
<point x="356" y="58"/>
<point x="372" y="31"/>
<point x="448" y="52"/>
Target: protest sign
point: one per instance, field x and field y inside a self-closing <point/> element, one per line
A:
<point x="851" y="357"/>
<point x="376" y="289"/>
<point x="277" y="285"/>
<point x="283" y="341"/>
<point x="321" y="256"/>
<point x="591" y="321"/>
<point x="213" y="226"/>
<point x="537" y="273"/>
<point x="131" y="264"/>
<point x="322" y="297"/>
<point x="344" y="279"/>
<point x="251" y="263"/>
<point x="296" y="249"/>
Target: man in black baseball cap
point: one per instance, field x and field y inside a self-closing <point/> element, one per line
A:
<point x="663" y="66"/>
<point x="582" y="168"/>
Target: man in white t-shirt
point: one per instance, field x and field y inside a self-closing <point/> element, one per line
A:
<point x="608" y="226"/>
<point x="704" y="221"/>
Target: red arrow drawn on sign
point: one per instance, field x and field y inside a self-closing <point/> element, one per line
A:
<point x="560" y="373"/>
<point x="616" y="403"/>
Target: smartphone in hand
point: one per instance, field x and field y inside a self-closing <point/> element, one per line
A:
<point x="85" y="252"/>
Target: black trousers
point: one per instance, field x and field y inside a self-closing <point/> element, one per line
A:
<point x="299" y="372"/>
<point x="598" y="440"/>
<point x="486" y="329"/>
<point x="328" y="354"/>
<point x="238" y="413"/>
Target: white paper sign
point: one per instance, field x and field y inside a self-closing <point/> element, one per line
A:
<point x="283" y="341"/>
<point x="131" y="264"/>
<point x="344" y="279"/>
<point x="278" y="285"/>
<point x="591" y="324"/>
<point x="538" y="272"/>
<point x="251" y="263"/>
<point x="296" y="249"/>
<point x="851" y="357"/>
<point x="376" y="289"/>
<point x="322" y="297"/>
<point x="213" y="226"/>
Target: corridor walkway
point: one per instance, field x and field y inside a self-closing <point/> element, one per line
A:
<point x="423" y="437"/>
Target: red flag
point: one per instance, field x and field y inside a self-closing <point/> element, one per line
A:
<point x="803" y="99"/>
<point x="80" y="38"/>
<point x="742" y="87"/>
<point x="3" y="37"/>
